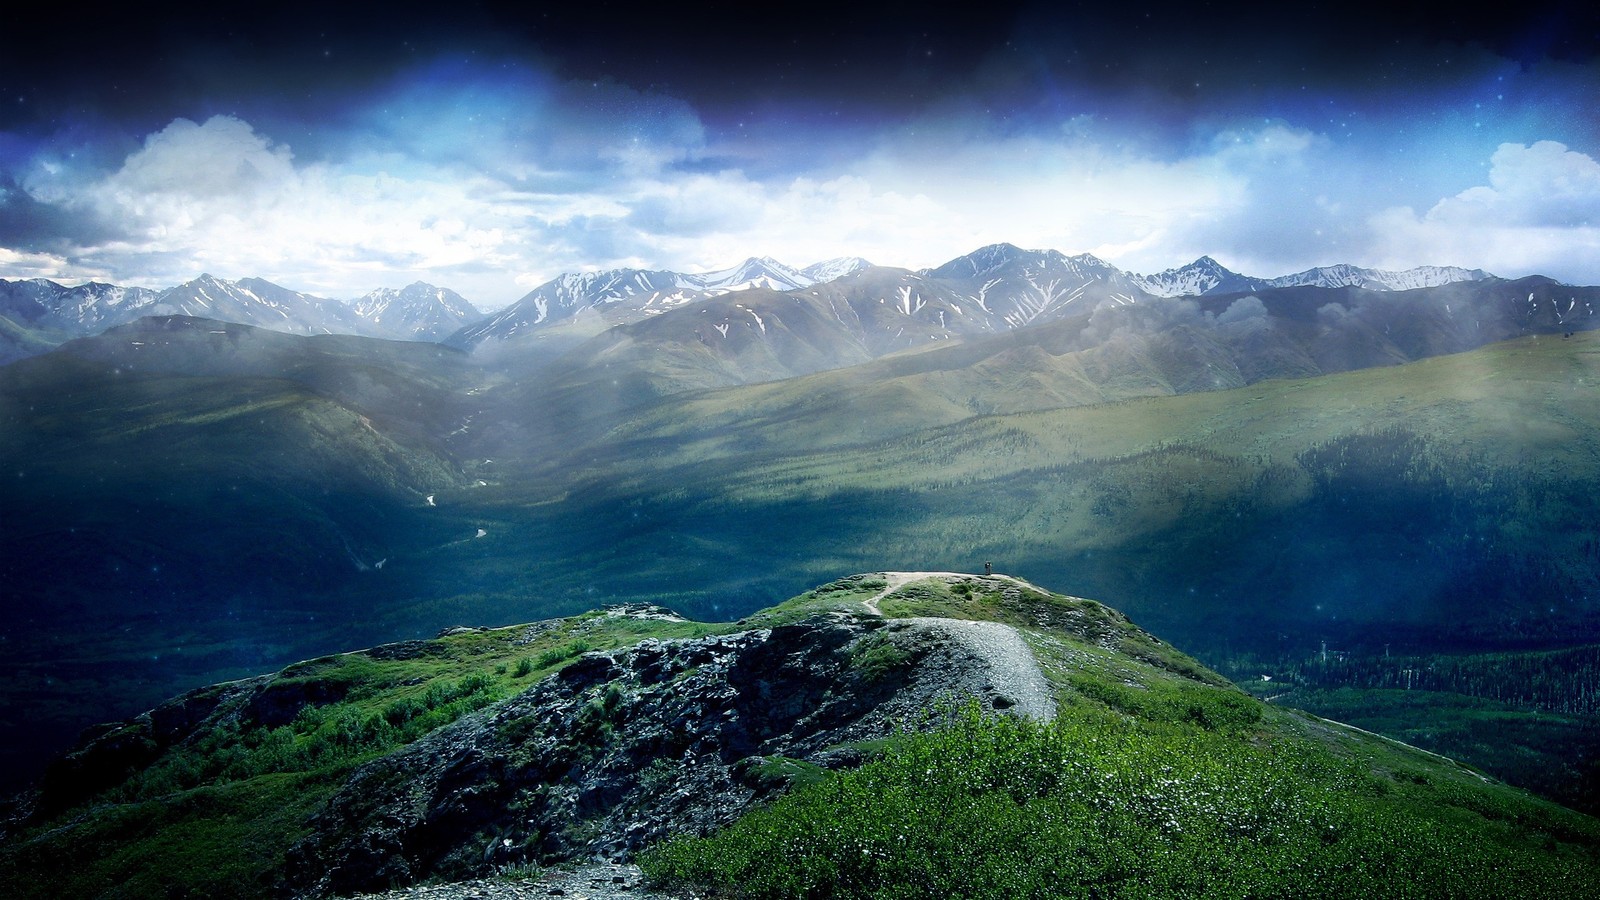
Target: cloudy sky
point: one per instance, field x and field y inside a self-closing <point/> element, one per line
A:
<point x="490" y="146"/>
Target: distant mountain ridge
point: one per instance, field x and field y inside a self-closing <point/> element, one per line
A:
<point x="590" y="302"/>
<point x="994" y="288"/>
<point x="91" y="303"/>
<point x="1378" y="280"/>
<point x="254" y="301"/>
<point x="37" y="314"/>
<point x="1206" y="276"/>
<point x="998" y="287"/>
<point x="418" y="311"/>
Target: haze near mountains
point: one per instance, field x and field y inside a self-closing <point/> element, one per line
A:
<point x="1002" y="287"/>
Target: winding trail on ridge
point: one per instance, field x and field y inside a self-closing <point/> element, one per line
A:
<point x="898" y="580"/>
<point x="1013" y="669"/>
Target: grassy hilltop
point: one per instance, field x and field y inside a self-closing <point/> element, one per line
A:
<point x="1156" y="777"/>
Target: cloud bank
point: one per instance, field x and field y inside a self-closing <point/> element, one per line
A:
<point x="493" y="179"/>
<point x="1540" y="212"/>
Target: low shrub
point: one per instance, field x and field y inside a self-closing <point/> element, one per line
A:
<point x="1097" y="805"/>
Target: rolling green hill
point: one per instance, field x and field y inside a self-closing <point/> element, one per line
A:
<point x="1123" y="769"/>
<point x="1445" y="497"/>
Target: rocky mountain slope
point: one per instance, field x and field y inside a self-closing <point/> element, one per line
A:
<point x="589" y="302"/>
<point x="417" y="312"/>
<point x="631" y="729"/>
<point x="38" y="315"/>
<point x="995" y="288"/>
<point x="1206" y="276"/>
<point x="1003" y="301"/>
<point x="932" y="356"/>
<point x="256" y="301"/>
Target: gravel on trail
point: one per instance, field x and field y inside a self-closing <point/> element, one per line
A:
<point x="590" y="881"/>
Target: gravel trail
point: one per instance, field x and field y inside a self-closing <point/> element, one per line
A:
<point x="1014" y="673"/>
<point x="898" y="580"/>
<point x="592" y="881"/>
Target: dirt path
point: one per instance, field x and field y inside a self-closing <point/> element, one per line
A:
<point x="898" y="580"/>
<point x="590" y="881"/>
<point x="1013" y="670"/>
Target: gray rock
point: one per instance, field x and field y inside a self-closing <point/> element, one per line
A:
<point x="622" y="749"/>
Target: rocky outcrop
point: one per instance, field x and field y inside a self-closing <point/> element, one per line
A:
<point x="624" y="748"/>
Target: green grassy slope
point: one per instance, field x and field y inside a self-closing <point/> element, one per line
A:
<point x="1157" y="779"/>
<point x="20" y="339"/>
<point x="157" y="810"/>
<point x="1444" y="497"/>
<point x="1150" y="783"/>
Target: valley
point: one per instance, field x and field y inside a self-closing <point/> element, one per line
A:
<point x="1249" y="475"/>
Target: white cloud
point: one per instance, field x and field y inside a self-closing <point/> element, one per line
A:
<point x="36" y="265"/>
<point x="802" y="220"/>
<point x="1242" y="310"/>
<point x="919" y="200"/>
<point x="1539" y="213"/>
<point x="1066" y="192"/>
<point x="220" y="197"/>
<point x="223" y="158"/>
<point x="492" y="205"/>
<point x="223" y="197"/>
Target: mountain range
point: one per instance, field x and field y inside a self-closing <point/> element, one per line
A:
<point x="37" y="315"/>
<point x="999" y="287"/>
<point x="1207" y="276"/>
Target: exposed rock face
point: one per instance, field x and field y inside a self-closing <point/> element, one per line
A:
<point x="624" y="748"/>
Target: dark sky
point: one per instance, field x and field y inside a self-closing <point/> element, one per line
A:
<point x="869" y="59"/>
<point x="531" y="138"/>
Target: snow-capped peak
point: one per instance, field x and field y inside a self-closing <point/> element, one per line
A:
<point x="1203" y="276"/>
<point x="418" y="311"/>
<point x="833" y="269"/>
<point x="763" y="271"/>
<point x="1345" y="275"/>
<point x="980" y="261"/>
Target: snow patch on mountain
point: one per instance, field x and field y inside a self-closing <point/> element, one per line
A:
<point x="755" y="272"/>
<point x="1203" y="276"/>
<point x="1345" y="275"/>
<point x="256" y="301"/>
<point x="419" y="311"/>
<point x="627" y="295"/>
<point x="834" y="269"/>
